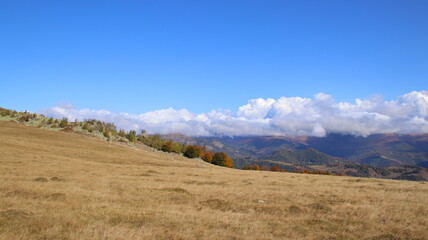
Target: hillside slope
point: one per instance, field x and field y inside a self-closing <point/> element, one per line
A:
<point x="58" y="185"/>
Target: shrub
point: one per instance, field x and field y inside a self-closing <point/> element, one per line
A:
<point x="252" y="167"/>
<point x="107" y="134"/>
<point x="25" y="118"/>
<point x="132" y="136"/>
<point x="171" y="146"/>
<point x="154" y="141"/>
<point x="207" y="156"/>
<point x="122" y="133"/>
<point x="68" y="129"/>
<point x="193" y="151"/>
<point x="111" y="127"/>
<point x="63" y="123"/>
<point x="276" y="169"/>
<point x="6" y="112"/>
<point x="167" y="147"/>
<point x="222" y="159"/>
<point x="99" y="126"/>
<point x="88" y="127"/>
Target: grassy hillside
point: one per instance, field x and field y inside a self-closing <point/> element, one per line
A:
<point x="59" y="185"/>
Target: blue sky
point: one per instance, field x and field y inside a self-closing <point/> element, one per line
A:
<point x="140" y="56"/>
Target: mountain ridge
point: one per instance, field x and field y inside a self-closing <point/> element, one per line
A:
<point x="395" y="156"/>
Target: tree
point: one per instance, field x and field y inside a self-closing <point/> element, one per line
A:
<point x="252" y="167"/>
<point x="107" y="134"/>
<point x="63" y="123"/>
<point x="193" y="151"/>
<point x="132" y="136"/>
<point x="207" y="156"/>
<point x="155" y="141"/>
<point x="88" y="127"/>
<point x="111" y="127"/>
<point x="276" y="169"/>
<point x="168" y="146"/>
<point x="222" y="159"/>
<point x="122" y="133"/>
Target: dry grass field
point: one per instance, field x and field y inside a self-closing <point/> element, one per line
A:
<point x="58" y="185"/>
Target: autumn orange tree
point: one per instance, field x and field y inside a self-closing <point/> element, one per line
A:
<point x="207" y="156"/>
<point x="171" y="146"/>
<point x="252" y="167"/>
<point x="222" y="159"/>
<point x="276" y="169"/>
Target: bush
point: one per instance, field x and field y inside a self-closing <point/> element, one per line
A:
<point x="111" y="127"/>
<point x="6" y="112"/>
<point x="99" y="126"/>
<point x="208" y="157"/>
<point x="122" y="133"/>
<point x="107" y="134"/>
<point x="132" y="136"/>
<point x="171" y="146"/>
<point x="63" y="123"/>
<point x="222" y="159"/>
<point x="88" y="127"/>
<point x="68" y="129"/>
<point x="252" y="167"/>
<point x="193" y="151"/>
<point x="154" y="141"/>
<point x="276" y="169"/>
<point x="25" y="118"/>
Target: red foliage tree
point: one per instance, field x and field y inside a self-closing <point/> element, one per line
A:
<point x="252" y="167"/>
<point x="222" y="159"/>
<point x="276" y="169"/>
<point x="207" y="156"/>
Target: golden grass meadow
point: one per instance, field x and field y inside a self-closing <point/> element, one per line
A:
<point x="58" y="185"/>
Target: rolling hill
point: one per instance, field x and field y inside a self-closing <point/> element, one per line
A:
<point x="61" y="185"/>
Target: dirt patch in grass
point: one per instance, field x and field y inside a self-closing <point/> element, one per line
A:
<point x="293" y="209"/>
<point x="41" y="179"/>
<point x="15" y="213"/>
<point x="216" y="204"/>
<point x="56" y="179"/>
<point x="26" y="194"/>
<point x="134" y="220"/>
<point x="386" y="236"/>
<point x="319" y="207"/>
<point x="176" y="189"/>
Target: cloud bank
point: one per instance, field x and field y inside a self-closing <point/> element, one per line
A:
<point x="317" y="116"/>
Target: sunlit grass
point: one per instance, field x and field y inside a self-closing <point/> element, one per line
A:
<point x="56" y="185"/>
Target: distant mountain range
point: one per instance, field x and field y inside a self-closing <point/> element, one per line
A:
<point x="384" y="155"/>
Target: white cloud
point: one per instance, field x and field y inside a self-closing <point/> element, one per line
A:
<point x="284" y="116"/>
